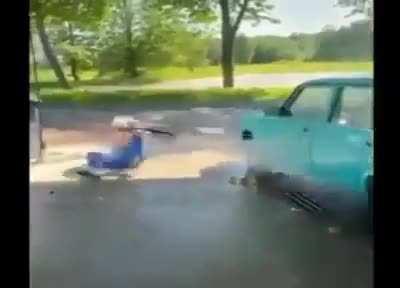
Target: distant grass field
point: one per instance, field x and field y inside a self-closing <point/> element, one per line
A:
<point x="207" y="96"/>
<point x="152" y="75"/>
<point x="180" y="73"/>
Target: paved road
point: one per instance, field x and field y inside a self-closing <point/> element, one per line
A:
<point x="241" y="81"/>
<point x="179" y="223"/>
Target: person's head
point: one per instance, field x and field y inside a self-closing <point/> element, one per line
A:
<point x="124" y="122"/>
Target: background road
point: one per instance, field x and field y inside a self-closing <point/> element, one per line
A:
<point x="241" y="81"/>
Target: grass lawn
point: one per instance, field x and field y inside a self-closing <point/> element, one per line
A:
<point x="180" y="73"/>
<point x="208" y="96"/>
<point x="47" y="75"/>
<point x="152" y="75"/>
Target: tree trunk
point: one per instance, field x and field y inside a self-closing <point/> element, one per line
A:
<point x="228" y="36"/>
<point x="48" y="51"/>
<point x="73" y="63"/>
<point x="227" y="60"/>
<point x="34" y="63"/>
<point x="74" y="69"/>
<point x="130" y="68"/>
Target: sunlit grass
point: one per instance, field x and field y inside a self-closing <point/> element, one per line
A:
<point x="207" y="96"/>
<point x="152" y="75"/>
<point x="47" y="75"/>
<point x="180" y="73"/>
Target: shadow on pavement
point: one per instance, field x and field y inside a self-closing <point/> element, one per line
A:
<point x="188" y="232"/>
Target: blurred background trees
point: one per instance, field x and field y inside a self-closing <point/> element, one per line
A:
<point x="51" y="14"/>
<point x="130" y="36"/>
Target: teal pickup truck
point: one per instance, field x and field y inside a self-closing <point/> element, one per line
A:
<point x="323" y="133"/>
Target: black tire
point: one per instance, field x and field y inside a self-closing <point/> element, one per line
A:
<point x="88" y="175"/>
<point x="262" y="181"/>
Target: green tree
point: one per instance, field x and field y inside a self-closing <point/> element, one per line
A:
<point x="48" y="51"/>
<point x="348" y="43"/>
<point x="159" y="36"/>
<point x="166" y="35"/>
<point x="182" y="54"/>
<point x="328" y="28"/>
<point x="265" y="54"/>
<point x="118" y="37"/>
<point x="127" y="19"/>
<point x="306" y="44"/>
<point x="242" y="50"/>
<point x="214" y="51"/>
<point x="365" y="7"/>
<point x="46" y="11"/>
<point x="75" y="44"/>
<point x="274" y="48"/>
<point x="232" y="12"/>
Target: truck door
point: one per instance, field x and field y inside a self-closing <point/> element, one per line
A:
<point x="342" y="150"/>
<point x="281" y="143"/>
<point x="307" y="112"/>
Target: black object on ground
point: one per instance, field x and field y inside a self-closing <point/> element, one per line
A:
<point x="156" y="131"/>
<point x="86" y="174"/>
<point x="151" y="130"/>
<point x="305" y="202"/>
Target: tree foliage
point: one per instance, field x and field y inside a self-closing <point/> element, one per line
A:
<point x="82" y="11"/>
<point x="306" y="45"/>
<point x="358" y="6"/>
<point x="112" y="35"/>
<point x="243" y="50"/>
<point x="274" y="48"/>
<point x="348" y="43"/>
<point x="214" y="51"/>
<point x="161" y="35"/>
<point x="231" y="12"/>
<point x="365" y="7"/>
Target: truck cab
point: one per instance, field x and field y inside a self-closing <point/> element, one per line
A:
<point x="323" y="133"/>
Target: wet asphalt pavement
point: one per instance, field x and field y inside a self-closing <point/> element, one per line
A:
<point x="184" y="230"/>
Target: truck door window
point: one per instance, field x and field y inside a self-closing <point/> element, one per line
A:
<point x="313" y="103"/>
<point x="357" y="107"/>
